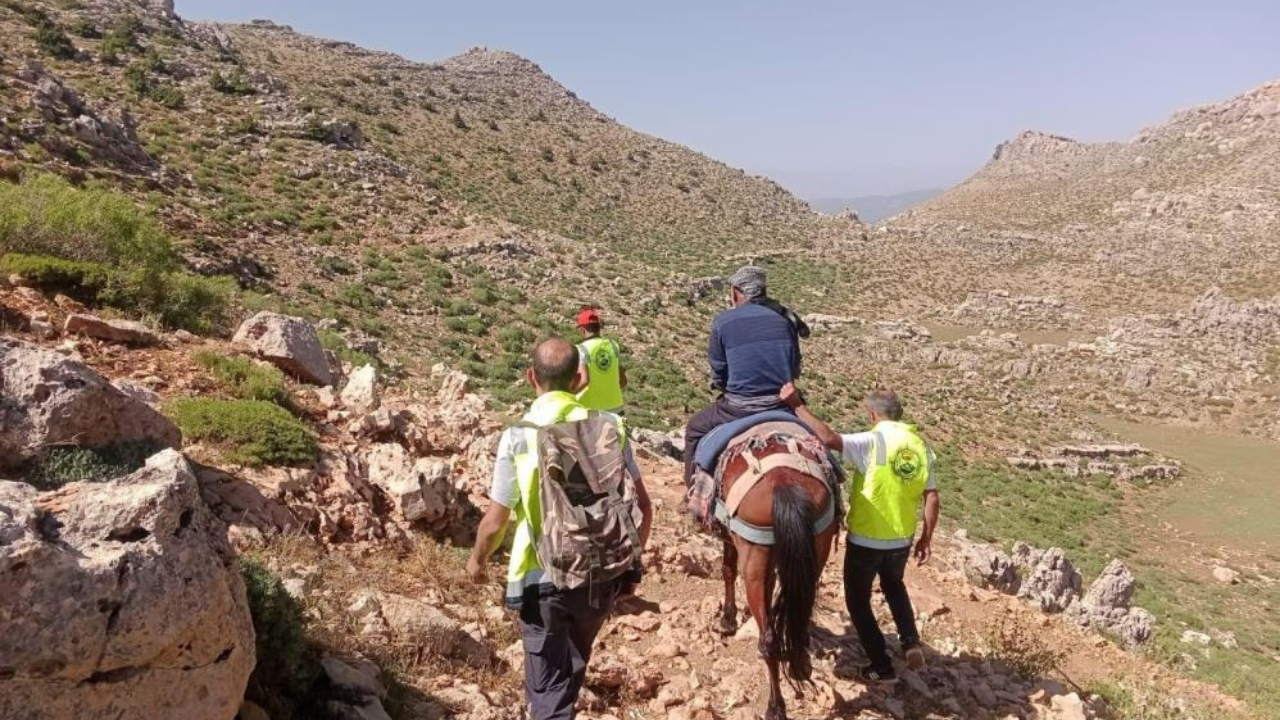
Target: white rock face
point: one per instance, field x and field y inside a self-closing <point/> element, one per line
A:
<point x="120" y="600"/>
<point x="47" y="399"/>
<point x="361" y="392"/>
<point x="289" y="343"/>
<point x="419" y="490"/>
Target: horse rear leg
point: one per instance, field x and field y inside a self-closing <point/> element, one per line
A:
<point x="760" y="579"/>
<point x="729" y="571"/>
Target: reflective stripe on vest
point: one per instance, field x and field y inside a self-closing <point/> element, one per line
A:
<point x="883" y="503"/>
<point x="524" y="571"/>
<point x="604" y="387"/>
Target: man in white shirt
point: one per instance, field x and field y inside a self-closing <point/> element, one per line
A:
<point x="895" y="476"/>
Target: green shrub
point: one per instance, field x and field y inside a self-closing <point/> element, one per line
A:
<point x="73" y="277"/>
<point x="53" y="41"/>
<point x="58" y="466"/>
<point x="458" y="122"/>
<point x="287" y="662"/>
<point x="233" y="83"/>
<point x="252" y="432"/>
<point x="198" y="304"/>
<point x="46" y="215"/>
<point x="246" y="379"/>
<point x="336" y="344"/>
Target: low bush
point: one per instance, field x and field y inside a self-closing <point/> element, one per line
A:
<point x="246" y="379"/>
<point x="233" y="83"/>
<point x="58" y="466"/>
<point x="287" y="663"/>
<point x="99" y="247"/>
<point x="252" y="432"/>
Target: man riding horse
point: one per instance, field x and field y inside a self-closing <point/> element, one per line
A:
<point x="754" y="350"/>
<point x="763" y="480"/>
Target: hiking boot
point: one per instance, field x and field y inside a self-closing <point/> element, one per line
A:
<point x="914" y="656"/>
<point x="870" y="674"/>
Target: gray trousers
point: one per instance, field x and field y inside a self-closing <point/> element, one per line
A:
<point x="557" y="630"/>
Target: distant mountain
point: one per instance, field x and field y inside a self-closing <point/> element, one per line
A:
<point x="873" y="208"/>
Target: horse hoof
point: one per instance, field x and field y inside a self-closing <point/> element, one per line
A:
<point x="775" y="714"/>
<point x="726" y="627"/>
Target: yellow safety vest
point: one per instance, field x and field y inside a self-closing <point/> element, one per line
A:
<point x="884" y="502"/>
<point x="604" y="375"/>
<point x="524" y="570"/>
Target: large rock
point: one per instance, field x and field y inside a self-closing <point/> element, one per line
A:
<point x="120" y="600"/>
<point x="47" y="399"/>
<point x="1049" y="580"/>
<point x="420" y="490"/>
<point x="288" y="342"/>
<point x="988" y="567"/>
<point x="1107" y="606"/>
<point x="361" y="392"/>
<point x="127" y="332"/>
<point x="403" y="619"/>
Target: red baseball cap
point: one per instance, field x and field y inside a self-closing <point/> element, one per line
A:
<point x="588" y="317"/>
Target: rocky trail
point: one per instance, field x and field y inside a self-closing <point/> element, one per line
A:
<point x="989" y="655"/>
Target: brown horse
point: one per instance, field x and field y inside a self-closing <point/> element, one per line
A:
<point x="787" y="502"/>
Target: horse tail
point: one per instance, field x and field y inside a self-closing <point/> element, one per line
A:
<point x="795" y="564"/>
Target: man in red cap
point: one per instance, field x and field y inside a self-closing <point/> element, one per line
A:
<point x="601" y="377"/>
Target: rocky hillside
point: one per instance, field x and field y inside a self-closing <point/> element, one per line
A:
<point x="1208" y="169"/>
<point x="325" y="266"/>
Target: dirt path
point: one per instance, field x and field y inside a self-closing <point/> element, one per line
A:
<point x="975" y="639"/>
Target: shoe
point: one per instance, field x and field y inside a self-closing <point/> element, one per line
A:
<point x="915" y="657"/>
<point x="882" y="676"/>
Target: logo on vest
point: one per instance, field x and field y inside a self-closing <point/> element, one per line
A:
<point x="906" y="464"/>
<point x="603" y="359"/>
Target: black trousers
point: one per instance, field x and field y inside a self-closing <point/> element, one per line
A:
<point x="861" y="566"/>
<point x="557" y="630"/>
<point x="709" y="418"/>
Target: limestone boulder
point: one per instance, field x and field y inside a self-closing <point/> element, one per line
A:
<point x="47" y="399"/>
<point x="419" y="490"/>
<point x="1049" y="581"/>
<point x="289" y="343"/>
<point x="361" y="393"/>
<point x="125" y="332"/>
<point x="120" y="600"/>
<point x="403" y="619"/>
<point x="1107" y="606"/>
<point x="988" y="567"/>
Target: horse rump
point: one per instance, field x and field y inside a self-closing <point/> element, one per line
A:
<point x="795" y="565"/>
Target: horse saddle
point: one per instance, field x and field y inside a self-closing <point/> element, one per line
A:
<point x="801" y="453"/>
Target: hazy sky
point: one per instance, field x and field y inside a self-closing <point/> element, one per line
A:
<point x="836" y="98"/>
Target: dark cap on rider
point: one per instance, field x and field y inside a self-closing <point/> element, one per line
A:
<point x="750" y="281"/>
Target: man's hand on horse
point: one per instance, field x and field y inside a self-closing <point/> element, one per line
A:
<point x="923" y="550"/>
<point x="791" y="395"/>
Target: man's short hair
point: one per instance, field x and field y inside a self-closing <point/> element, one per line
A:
<point x="885" y="404"/>
<point x="555" y="363"/>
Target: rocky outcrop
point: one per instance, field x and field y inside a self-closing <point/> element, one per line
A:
<point x="47" y="399"/>
<point x="120" y="599"/>
<point x="419" y="490"/>
<point x="1107" y="606"/>
<point x="1049" y="580"/>
<point x="987" y="567"/>
<point x="665" y="445"/>
<point x="289" y="343"/>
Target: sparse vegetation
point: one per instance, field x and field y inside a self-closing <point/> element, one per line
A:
<point x="58" y="466"/>
<point x="288" y="665"/>
<point x="251" y="432"/>
<point x="233" y="83"/>
<point x="246" y="379"/>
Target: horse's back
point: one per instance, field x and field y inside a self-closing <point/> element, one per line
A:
<point x="756" y="507"/>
